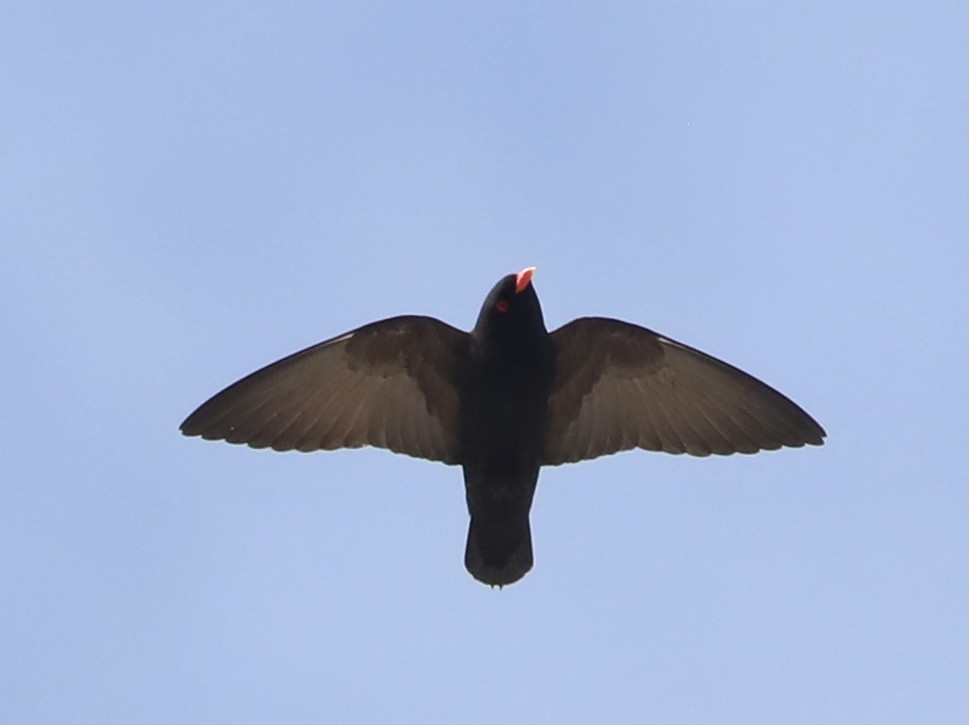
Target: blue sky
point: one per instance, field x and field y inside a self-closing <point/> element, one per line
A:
<point x="190" y="192"/>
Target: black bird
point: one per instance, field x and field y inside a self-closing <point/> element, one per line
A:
<point x="502" y="401"/>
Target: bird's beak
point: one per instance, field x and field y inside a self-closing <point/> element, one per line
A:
<point x="523" y="278"/>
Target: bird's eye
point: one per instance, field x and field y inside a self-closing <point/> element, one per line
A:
<point x="501" y="305"/>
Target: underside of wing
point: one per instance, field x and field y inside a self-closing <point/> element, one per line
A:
<point x="391" y="384"/>
<point x="619" y="386"/>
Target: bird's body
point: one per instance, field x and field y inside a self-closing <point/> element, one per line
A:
<point x="502" y="401"/>
<point x="505" y="422"/>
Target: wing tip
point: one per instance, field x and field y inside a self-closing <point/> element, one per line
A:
<point x="189" y="430"/>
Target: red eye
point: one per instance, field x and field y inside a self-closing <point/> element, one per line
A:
<point x="501" y="305"/>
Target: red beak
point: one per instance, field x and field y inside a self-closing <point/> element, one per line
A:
<point x="523" y="278"/>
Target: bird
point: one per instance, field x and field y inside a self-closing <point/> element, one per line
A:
<point x="502" y="401"/>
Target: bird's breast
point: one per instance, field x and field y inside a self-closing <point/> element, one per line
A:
<point x="505" y="412"/>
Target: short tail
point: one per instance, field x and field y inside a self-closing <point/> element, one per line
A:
<point x="499" y="551"/>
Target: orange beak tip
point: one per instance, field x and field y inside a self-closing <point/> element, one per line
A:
<point x="523" y="279"/>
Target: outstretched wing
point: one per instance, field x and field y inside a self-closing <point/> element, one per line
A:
<point x="619" y="386"/>
<point x="390" y="384"/>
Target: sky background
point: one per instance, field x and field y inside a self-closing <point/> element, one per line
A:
<point x="190" y="191"/>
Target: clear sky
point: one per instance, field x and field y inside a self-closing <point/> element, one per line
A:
<point x="189" y="191"/>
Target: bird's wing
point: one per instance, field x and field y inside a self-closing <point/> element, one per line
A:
<point x="619" y="386"/>
<point x="389" y="384"/>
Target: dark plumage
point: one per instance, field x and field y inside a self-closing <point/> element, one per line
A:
<point x="502" y="401"/>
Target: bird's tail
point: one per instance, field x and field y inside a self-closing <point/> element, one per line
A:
<point x="499" y="549"/>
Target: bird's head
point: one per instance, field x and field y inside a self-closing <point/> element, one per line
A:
<point x="511" y="312"/>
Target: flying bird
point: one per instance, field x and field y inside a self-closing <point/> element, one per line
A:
<point x="502" y="401"/>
